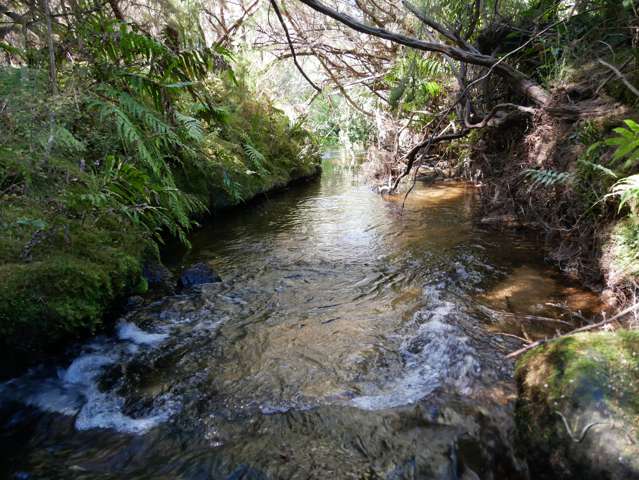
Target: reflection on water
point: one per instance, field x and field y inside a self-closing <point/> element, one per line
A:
<point x="349" y="339"/>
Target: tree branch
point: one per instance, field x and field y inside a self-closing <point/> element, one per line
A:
<point x="593" y="326"/>
<point x="290" y="44"/>
<point x="238" y="23"/>
<point x="116" y="10"/>
<point x="520" y="81"/>
<point x="621" y="77"/>
<point x="436" y="26"/>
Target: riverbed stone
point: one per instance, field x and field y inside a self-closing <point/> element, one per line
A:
<point x="577" y="415"/>
<point x="158" y="276"/>
<point x="198" y="274"/>
<point x="133" y="302"/>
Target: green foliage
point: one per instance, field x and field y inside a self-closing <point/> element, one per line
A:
<point x="624" y="249"/>
<point x="146" y="134"/>
<point x="256" y="158"/>
<point x="626" y="158"/>
<point x="334" y="120"/>
<point x="626" y="144"/>
<point x="627" y="190"/>
<point x="595" y="28"/>
<point x="546" y="178"/>
<point x="415" y="81"/>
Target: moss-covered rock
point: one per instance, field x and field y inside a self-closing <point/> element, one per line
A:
<point x="72" y="277"/>
<point x="578" y="409"/>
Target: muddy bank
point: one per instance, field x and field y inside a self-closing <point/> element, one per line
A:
<point x="575" y="413"/>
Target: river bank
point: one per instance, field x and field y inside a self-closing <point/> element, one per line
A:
<point x="83" y="212"/>
<point x="575" y="413"/>
<point x="80" y="290"/>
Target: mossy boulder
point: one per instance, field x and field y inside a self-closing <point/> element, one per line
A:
<point x="577" y="414"/>
<point x="73" y="277"/>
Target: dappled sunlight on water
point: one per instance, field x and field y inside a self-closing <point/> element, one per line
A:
<point x="523" y="289"/>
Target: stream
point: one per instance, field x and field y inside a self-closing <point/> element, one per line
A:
<point x="350" y="337"/>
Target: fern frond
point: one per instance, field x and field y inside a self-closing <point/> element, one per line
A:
<point x="191" y="126"/>
<point x="626" y="144"/>
<point x="627" y="190"/>
<point x="546" y="178"/>
<point x="67" y="140"/>
<point x="256" y="158"/>
<point x="130" y="135"/>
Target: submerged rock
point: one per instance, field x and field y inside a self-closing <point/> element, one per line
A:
<point x="158" y="276"/>
<point x="136" y="301"/>
<point x="578" y="408"/>
<point x="198" y="274"/>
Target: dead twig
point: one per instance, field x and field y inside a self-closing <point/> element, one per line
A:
<point x="510" y="335"/>
<point x="621" y="77"/>
<point x="593" y="326"/>
<point x="525" y="317"/>
<point x="584" y="431"/>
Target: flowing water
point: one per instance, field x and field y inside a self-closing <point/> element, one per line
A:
<point x="350" y="338"/>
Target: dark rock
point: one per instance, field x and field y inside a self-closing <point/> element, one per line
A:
<point x="158" y="276"/>
<point x="134" y="302"/>
<point x="197" y="275"/>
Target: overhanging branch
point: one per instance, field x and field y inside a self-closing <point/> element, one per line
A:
<point x="290" y="44"/>
<point x="520" y="81"/>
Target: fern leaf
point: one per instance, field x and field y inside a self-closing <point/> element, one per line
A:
<point x="546" y="178"/>
<point x="256" y="158"/>
<point x="626" y="143"/>
<point x="191" y="125"/>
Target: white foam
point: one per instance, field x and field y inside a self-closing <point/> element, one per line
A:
<point x="104" y="410"/>
<point x="75" y="390"/>
<point x="85" y="368"/>
<point x="438" y="355"/>
<point x="131" y="332"/>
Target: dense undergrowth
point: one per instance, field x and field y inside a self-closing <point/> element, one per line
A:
<point x="137" y="137"/>
<point x="572" y="172"/>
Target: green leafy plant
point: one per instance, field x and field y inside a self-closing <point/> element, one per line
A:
<point x="626" y="143"/>
<point x="415" y="81"/>
<point x="546" y="178"/>
<point x="256" y="158"/>
<point x="627" y="190"/>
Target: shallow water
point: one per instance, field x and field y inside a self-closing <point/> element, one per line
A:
<point x="351" y="338"/>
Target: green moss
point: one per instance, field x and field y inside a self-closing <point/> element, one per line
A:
<point x="587" y="367"/>
<point x="575" y="376"/>
<point x="78" y="220"/>
<point x="623" y="251"/>
<point x="67" y="287"/>
<point x="142" y="287"/>
<point x="59" y="275"/>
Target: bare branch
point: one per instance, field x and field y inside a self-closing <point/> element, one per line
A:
<point x="524" y="84"/>
<point x="436" y="26"/>
<point x="621" y="77"/>
<point x="290" y="44"/>
<point x="593" y="326"/>
<point x="248" y="13"/>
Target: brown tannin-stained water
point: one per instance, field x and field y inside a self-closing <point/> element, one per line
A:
<point x="349" y="339"/>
